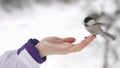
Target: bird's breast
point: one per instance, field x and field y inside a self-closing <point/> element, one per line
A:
<point x="94" y="29"/>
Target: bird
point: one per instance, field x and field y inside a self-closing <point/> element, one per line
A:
<point x="94" y="27"/>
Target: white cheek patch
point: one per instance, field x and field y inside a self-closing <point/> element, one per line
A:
<point x="92" y="22"/>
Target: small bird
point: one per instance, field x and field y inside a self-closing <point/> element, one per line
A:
<point x="94" y="27"/>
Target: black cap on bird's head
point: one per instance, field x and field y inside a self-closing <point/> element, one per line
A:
<point x="88" y="19"/>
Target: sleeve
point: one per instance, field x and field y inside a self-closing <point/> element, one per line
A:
<point x="25" y="57"/>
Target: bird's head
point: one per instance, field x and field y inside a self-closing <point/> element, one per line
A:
<point x="89" y="21"/>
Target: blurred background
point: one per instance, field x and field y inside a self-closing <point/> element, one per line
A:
<point x="21" y="20"/>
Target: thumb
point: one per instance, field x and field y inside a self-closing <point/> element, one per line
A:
<point x="69" y="39"/>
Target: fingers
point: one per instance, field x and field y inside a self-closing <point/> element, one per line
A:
<point x="57" y="39"/>
<point x="85" y="42"/>
<point x="82" y="44"/>
<point x="69" y="39"/>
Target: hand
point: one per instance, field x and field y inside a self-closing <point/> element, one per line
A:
<point x="55" y="45"/>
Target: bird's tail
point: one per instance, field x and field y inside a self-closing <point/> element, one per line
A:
<point x="113" y="37"/>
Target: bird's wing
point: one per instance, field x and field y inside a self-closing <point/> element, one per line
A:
<point x="101" y="24"/>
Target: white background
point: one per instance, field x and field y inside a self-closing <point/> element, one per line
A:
<point x="42" y="21"/>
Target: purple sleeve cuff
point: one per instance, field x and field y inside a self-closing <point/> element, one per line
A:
<point x="32" y="50"/>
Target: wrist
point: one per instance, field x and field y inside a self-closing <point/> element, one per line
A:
<point x="41" y="49"/>
<point x="30" y="48"/>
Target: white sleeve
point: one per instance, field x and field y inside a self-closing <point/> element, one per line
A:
<point x="25" y="57"/>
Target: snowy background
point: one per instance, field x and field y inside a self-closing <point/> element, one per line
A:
<point x="21" y="20"/>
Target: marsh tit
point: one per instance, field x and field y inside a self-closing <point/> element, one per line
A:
<point x="94" y="28"/>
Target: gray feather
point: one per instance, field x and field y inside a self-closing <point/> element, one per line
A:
<point x="101" y="24"/>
